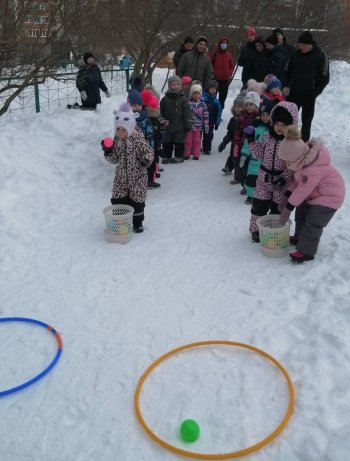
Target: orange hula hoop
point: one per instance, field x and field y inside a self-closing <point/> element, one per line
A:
<point x="232" y="454"/>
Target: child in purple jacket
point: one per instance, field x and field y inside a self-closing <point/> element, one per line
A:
<point x="200" y="122"/>
<point x="317" y="191"/>
<point x="273" y="175"/>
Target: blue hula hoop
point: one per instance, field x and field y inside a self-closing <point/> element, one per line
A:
<point x="49" y="367"/>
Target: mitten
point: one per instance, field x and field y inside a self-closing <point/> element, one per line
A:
<point x="250" y="133"/>
<point x="236" y="150"/>
<point x="206" y="129"/>
<point x="216" y="127"/>
<point x="278" y="184"/>
<point x="83" y="95"/>
<point x="108" y="94"/>
<point x="284" y="216"/>
<point x="107" y="145"/>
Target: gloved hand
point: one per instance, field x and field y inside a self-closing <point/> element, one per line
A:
<point x="108" y="94"/>
<point x="143" y="162"/>
<point x="83" y="95"/>
<point x="236" y="150"/>
<point x="165" y="122"/>
<point x="278" y="184"/>
<point x="284" y="216"/>
<point x="216" y="127"/>
<point x="206" y="129"/>
<point x="107" y="145"/>
<point x="250" y="133"/>
<point x="222" y="146"/>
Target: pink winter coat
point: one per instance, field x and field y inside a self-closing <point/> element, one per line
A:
<point x="318" y="183"/>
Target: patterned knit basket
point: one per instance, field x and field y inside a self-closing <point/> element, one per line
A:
<point x="274" y="238"/>
<point x="118" y="221"/>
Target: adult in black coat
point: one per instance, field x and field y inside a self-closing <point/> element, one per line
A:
<point x="306" y="76"/>
<point x="259" y="60"/>
<point x="286" y="47"/>
<point x="245" y="57"/>
<point x="276" y="59"/>
<point x="186" y="46"/>
<point x="89" y="82"/>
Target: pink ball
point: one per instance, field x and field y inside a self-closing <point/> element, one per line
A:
<point x="108" y="142"/>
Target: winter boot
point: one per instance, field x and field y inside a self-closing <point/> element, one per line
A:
<point x="299" y="257"/>
<point x="152" y="185"/>
<point x="176" y="160"/>
<point x="138" y="228"/>
<point x="226" y="170"/>
<point x="255" y="237"/>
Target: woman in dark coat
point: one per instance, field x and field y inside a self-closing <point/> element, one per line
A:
<point x="89" y="82"/>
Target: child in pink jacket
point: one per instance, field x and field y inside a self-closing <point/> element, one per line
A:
<point x="317" y="191"/>
<point x="200" y="122"/>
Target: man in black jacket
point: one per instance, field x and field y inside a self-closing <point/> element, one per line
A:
<point x="306" y="76"/>
<point x="184" y="48"/>
<point x="276" y="59"/>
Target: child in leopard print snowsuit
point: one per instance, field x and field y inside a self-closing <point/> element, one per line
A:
<point x="273" y="176"/>
<point x="132" y="154"/>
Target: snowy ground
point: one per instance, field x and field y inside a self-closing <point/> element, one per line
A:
<point x="192" y="275"/>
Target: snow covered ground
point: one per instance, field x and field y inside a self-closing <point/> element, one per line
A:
<point x="192" y="275"/>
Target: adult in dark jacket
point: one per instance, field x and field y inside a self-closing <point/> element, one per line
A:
<point x="286" y="47"/>
<point x="89" y="82"/>
<point x="259" y="60"/>
<point x="245" y="57"/>
<point x="186" y="46"/>
<point x="276" y="59"/>
<point x="223" y="64"/>
<point x="306" y="76"/>
<point x="196" y="63"/>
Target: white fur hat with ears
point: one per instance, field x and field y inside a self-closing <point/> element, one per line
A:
<point x="253" y="85"/>
<point x="124" y="117"/>
<point x="195" y="88"/>
<point x="252" y="97"/>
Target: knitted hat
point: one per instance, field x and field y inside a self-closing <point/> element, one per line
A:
<point x="239" y="101"/>
<point x="195" y="88"/>
<point x="251" y="31"/>
<point x="125" y="118"/>
<point x="88" y="55"/>
<point x="269" y="78"/>
<point x="278" y="31"/>
<point x="252" y="97"/>
<point x="259" y="39"/>
<point x="152" y="90"/>
<point x="188" y="40"/>
<point x="253" y="85"/>
<point x="290" y="107"/>
<point x="149" y="99"/>
<point x="274" y="83"/>
<point x="293" y="149"/>
<point x="134" y="97"/>
<point x="202" y="38"/>
<point x="272" y="39"/>
<point x="174" y="79"/>
<point x="186" y="79"/>
<point x="266" y="106"/>
<point x="212" y="84"/>
<point x="306" y="38"/>
<point x="137" y="83"/>
<point x="281" y="114"/>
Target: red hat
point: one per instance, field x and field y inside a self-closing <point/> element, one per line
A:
<point x="186" y="79"/>
<point x="149" y="99"/>
<point x="251" y="31"/>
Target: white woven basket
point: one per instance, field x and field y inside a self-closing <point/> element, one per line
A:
<point x="274" y="238"/>
<point x="118" y="222"/>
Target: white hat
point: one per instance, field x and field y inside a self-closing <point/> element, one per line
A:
<point x="125" y="118"/>
<point x="195" y="88"/>
<point x="253" y="97"/>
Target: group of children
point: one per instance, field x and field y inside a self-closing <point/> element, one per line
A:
<point x="276" y="169"/>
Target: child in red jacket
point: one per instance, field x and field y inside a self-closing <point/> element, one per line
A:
<point x="317" y="191"/>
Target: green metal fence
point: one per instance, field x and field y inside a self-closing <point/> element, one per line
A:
<point x="57" y="91"/>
